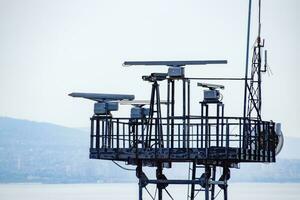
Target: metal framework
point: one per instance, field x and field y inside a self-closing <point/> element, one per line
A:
<point x="206" y="141"/>
<point x="254" y="84"/>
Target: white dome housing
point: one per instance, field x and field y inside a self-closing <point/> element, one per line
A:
<point x="279" y="134"/>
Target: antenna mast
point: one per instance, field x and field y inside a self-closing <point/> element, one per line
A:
<point x="254" y="85"/>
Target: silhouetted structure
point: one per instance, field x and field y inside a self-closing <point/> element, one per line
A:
<point x="209" y="140"/>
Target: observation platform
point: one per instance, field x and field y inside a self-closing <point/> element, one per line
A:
<point x="216" y="140"/>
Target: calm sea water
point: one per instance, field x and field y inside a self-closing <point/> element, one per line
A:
<point x="128" y="191"/>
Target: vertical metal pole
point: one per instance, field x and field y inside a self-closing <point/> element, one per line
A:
<point x="136" y="138"/>
<point x="168" y="114"/>
<point x="172" y="113"/>
<point x="140" y="190"/>
<point x="98" y="134"/>
<point x="245" y="128"/>
<point x="193" y="178"/>
<point x="160" y="128"/>
<point x="240" y="138"/>
<point x="110" y="132"/>
<point x="139" y="171"/>
<point x="225" y="191"/>
<point x="178" y="135"/>
<point x="189" y="113"/>
<point x="259" y="141"/>
<point x="256" y="139"/>
<point x="268" y="141"/>
<point x="259" y="59"/>
<point x="213" y="185"/>
<point x="156" y="136"/>
<point x="202" y="111"/>
<point x="149" y="124"/>
<point x="184" y="112"/>
<point x="247" y="57"/>
<point x="206" y="129"/>
<point x="273" y="142"/>
<point x="129" y="136"/>
<point x="118" y="134"/>
<point x="222" y="126"/>
<point x="264" y="143"/>
<point x="227" y="137"/>
<point x="158" y="175"/>
<point x="92" y="134"/>
<point x="207" y="172"/>
<point x="217" y="128"/>
<point x="209" y="135"/>
<point x="106" y="131"/>
<point x="197" y="139"/>
<point x="143" y="141"/>
<point x="102" y="133"/>
<point x="123" y="129"/>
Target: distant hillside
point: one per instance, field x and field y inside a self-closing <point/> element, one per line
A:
<point x="48" y="153"/>
<point x="43" y="152"/>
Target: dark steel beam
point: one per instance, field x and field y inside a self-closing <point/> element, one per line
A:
<point x="173" y="63"/>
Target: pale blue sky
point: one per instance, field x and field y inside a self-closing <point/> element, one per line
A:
<point x="51" y="48"/>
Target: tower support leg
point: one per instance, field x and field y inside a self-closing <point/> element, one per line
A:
<point x="158" y="176"/>
<point x="213" y="185"/>
<point x="139" y="172"/>
<point x="226" y="174"/>
<point x="140" y="190"/>
<point x="225" y="193"/>
<point x="193" y="178"/>
<point x="207" y="176"/>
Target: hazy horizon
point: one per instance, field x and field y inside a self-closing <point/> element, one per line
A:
<point x="245" y="191"/>
<point x="51" y="48"/>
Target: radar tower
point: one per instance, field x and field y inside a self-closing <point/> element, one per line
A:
<point x="208" y="141"/>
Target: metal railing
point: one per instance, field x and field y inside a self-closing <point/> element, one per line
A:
<point x="194" y="132"/>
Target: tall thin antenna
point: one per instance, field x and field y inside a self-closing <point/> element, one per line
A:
<point x="259" y="18"/>
<point x="254" y="84"/>
<point x="247" y="57"/>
